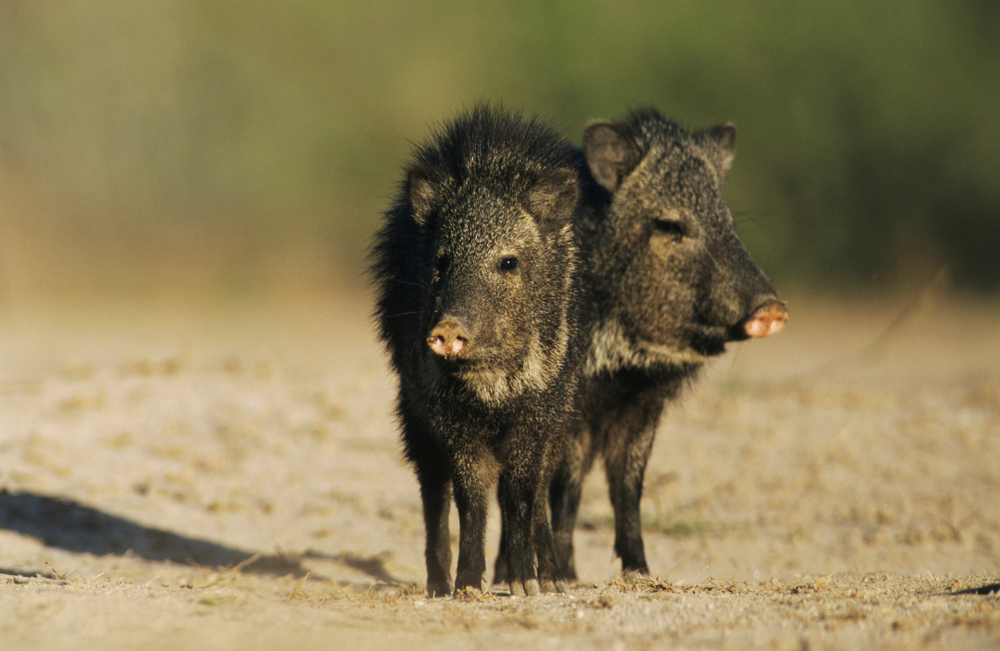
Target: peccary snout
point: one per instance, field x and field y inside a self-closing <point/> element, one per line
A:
<point x="767" y="319"/>
<point x="450" y="338"/>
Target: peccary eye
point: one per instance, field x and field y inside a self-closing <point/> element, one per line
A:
<point x="508" y="263"/>
<point x="670" y="228"/>
<point x="442" y="263"/>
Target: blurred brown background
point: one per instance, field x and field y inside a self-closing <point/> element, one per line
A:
<point x="221" y="150"/>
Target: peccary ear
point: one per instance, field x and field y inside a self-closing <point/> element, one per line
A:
<point x="423" y="185"/>
<point x="721" y="140"/>
<point x="611" y="153"/>
<point x="554" y="196"/>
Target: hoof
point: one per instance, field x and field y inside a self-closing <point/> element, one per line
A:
<point x="470" y="593"/>
<point x="442" y="589"/>
<point x="554" y="587"/>
<point x="527" y="588"/>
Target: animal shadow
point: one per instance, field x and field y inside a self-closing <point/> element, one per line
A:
<point x="74" y="527"/>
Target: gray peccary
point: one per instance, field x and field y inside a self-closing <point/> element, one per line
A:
<point x="481" y="303"/>
<point x="673" y="285"/>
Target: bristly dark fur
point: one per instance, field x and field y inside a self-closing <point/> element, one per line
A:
<point x="482" y="241"/>
<point x="672" y="285"/>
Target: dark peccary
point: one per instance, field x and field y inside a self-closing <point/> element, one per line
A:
<point x="673" y="285"/>
<point x="480" y="303"/>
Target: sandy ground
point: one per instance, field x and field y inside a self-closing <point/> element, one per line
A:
<point x="195" y="476"/>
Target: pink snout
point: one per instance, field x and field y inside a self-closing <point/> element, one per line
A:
<point x="768" y="319"/>
<point x="449" y="339"/>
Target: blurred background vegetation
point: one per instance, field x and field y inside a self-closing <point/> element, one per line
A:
<point x="225" y="148"/>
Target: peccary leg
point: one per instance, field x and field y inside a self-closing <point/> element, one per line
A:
<point x="516" y="494"/>
<point x="500" y="566"/>
<point x="549" y="574"/>
<point x="437" y="502"/>
<point x="433" y="477"/>
<point x="471" y="498"/>
<point x="625" y="475"/>
<point x="564" y="500"/>
<point x="630" y="441"/>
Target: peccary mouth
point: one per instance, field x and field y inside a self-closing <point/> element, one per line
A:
<point x="477" y="361"/>
<point x="459" y="364"/>
<point x="465" y="371"/>
<point x="737" y="333"/>
<point x="710" y="344"/>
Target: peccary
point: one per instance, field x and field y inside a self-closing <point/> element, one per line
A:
<point x="480" y="301"/>
<point x="673" y="285"/>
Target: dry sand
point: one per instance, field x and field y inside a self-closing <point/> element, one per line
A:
<point x="195" y="476"/>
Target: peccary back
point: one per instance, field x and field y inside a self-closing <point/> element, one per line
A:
<point x="480" y="303"/>
<point x="673" y="285"/>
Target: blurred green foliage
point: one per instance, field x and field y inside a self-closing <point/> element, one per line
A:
<point x="867" y="148"/>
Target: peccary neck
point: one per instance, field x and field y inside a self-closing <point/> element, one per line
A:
<point x="613" y="351"/>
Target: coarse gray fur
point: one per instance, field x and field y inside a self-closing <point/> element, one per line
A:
<point x="480" y="302"/>
<point x="672" y="286"/>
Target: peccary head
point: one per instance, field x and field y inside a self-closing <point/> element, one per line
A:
<point x="488" y="213"/>
<point x="675" y="282"/>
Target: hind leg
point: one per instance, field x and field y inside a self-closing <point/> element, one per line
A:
<point x="500" y="565"/>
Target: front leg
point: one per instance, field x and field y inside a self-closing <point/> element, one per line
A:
<point x="550" y="575"/>
<point x="629" y="443"/>
<point x="436" y="505"/>
<point x="516" y="494"/>
<point x="547" y="552"/>
<point x="433" y="476"/>
<point x="625" y="477"/>
<point x="470" y="486"/>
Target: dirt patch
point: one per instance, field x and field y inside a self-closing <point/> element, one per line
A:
<point x="231" y="478"/>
